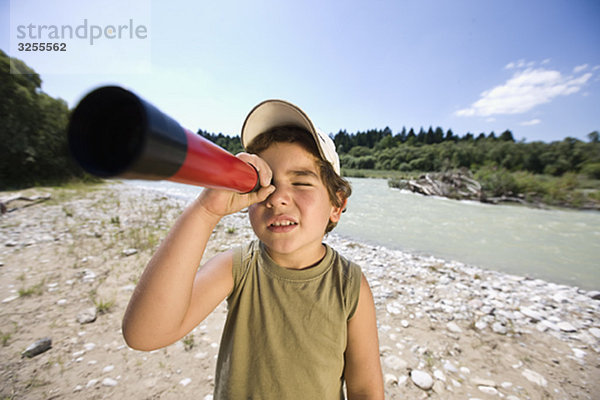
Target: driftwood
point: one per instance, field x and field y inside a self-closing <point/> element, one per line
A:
<point x="454" y="185"/>
<point x="30" y="200"/>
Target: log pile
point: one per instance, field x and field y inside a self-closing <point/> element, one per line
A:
<point x="457" y="185"/>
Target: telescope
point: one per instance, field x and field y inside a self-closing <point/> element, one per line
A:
<point x="113" y="133"/>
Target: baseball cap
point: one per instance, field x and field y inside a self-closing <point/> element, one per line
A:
<point x="272" y="114"/>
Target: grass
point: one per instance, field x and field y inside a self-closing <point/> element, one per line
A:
<point x="104" y="306"/>
<point x="188" y="342"/>
<point x="32" y="290"/>
<point x="5" y="337"/>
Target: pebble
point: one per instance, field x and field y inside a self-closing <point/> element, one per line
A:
<point x="129" y="252"/>
<point x="9" y="299"/>
<point x="534" y="377"/>
<point x="91" y="382"/>
<point x="497" y="327"/>
<point x="390" y="379"/>
<point x="439" y="375"/>
<point x="452" y="327"/>
<point x="448" y="366"/>
<point x="185" y="381"/>
<point x="108" y="369"/>
<point x="395" y="363"/>
<point x="109" y="382"/>
<point x="566" y="327"/>
<point x="421" y="379"/>
<point x="595" y="332"/>
<point x="38" y="347"/>
<point x="488" y="390"/>
<point x="87" y="316"/>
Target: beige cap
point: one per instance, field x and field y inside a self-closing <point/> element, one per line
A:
<point x="278" y="113"/>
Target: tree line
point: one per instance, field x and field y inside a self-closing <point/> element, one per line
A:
<point x="32" y="130"/>
<point x="34" y="147"/>
<point x="435" y="150"/>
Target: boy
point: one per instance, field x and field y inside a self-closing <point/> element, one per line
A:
<point x="301" y="318"/>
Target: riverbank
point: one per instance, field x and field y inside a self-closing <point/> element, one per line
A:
<point x="496" y="186"/>
<point x="471" y="333"/>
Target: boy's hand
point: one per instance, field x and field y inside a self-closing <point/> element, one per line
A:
<point x="219" y="202"/>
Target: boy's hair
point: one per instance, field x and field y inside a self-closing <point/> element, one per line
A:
<point x="338" y="188"/>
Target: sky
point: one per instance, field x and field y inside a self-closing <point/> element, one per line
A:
<point x="532" y="67"/>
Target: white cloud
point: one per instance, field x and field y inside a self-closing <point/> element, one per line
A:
<point x="525" y="90"/>
<point x="531" y="122"/>
<point x="580" y="68"/>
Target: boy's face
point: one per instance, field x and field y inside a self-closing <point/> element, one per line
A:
<point x="291" y="222"/>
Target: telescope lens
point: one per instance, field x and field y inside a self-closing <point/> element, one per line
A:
<point x="106" y="133"/>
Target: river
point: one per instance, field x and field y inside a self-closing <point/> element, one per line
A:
<point x="560" y="246"/>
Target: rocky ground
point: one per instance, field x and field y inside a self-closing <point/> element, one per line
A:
<point x="68" y="266"/>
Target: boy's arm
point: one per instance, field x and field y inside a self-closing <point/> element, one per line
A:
<point x="173" y="295"/>
<point x="364" y="379"/>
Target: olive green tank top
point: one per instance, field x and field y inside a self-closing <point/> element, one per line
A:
<point x="285" y="333"/>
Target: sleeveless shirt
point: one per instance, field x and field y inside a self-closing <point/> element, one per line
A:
<point x="285" y="332"/>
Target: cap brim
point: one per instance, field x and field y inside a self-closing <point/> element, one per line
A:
<point x="272" y="114"/>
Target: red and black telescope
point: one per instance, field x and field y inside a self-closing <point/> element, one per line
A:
<point x="113" y="133"/>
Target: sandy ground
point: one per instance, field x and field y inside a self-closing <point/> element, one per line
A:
<point x="473" y="334"/>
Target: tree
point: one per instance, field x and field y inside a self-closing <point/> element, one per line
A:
<point x="507" y="136"/>
<point x="32" y="130"/>
<point x="594" y="137"/>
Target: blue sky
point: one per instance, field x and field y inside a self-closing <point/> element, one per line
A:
<point x="472" y="66"/>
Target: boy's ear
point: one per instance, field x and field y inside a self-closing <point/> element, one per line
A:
<point x="336" y="212"/>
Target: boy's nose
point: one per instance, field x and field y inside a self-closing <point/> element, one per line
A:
<point x="280" y="197"/>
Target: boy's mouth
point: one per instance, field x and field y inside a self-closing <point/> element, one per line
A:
<point x="282" y="225"/>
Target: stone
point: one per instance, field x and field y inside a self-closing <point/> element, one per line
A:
<point x="481" y="324"/>
<point x="483" y="382"/>
<point x="108" y="368"/>
<point x="404" y="323"/>
<point x="10" y="298"/>
<point x="390" y="379"/>
<point x="438" y="387"/>
<point x="439" y="375"/>
<point x="448" y="366"/>
<point x="579" y="353"/>
<point x="594" y="295"/>
<point x="395" y="363"/>
<point x="129" y="252"/>
<point x="89" y="346"/>
<point x="452" y="327"/>
<point x="87" y="316"/>
<point x="91" y="382"/>
<point x="595" y="332"/>
<point x="534" y="315"/>
<point x="498" y="328"/>
<point x="393" y="309"/>
<point x="566" y="327"/>
<point x="185" y="381"/>
<point x="422" y="379"/>
<point x="109" y="382"/>
<point x="37" y="347"/>
<point x="534" y="377"/>
<point x="488" y="390"/>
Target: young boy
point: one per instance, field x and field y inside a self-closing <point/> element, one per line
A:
<point x="301" y="318"/>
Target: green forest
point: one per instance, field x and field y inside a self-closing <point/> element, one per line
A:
<point x="34" y="150"/>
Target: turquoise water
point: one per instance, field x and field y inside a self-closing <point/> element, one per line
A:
<point x="556" y="245"/>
